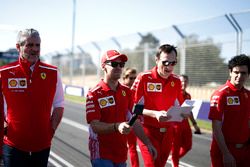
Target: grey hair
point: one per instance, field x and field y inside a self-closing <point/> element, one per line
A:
<point x="24" y="34"/>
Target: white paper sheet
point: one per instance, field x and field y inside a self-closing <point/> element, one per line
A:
<point x="176" y="111"/>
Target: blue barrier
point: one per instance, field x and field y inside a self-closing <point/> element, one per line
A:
<point x="200" y="108"/>
<point x="73" y="90"/>
<point x="204" y="111"/>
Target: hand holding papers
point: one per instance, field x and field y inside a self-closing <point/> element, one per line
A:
<point x="162" y="116"/>
<point x="178" y="112"/>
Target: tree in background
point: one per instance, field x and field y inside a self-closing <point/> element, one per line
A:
<point x="203" y="62"/>
<point x="136" y="57"/>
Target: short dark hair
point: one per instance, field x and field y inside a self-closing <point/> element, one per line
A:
<point x="239" y="60"/>
<point x="166" y="48"/>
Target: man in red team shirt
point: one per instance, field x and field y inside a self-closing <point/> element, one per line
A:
<point x="29" y="90"/>
<point x="230" y="113"/>
<point x="159" y="89"/>
<point x="183" y="134"/>
<point x="108" y="108"/>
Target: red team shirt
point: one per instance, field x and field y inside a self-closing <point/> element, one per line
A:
<point x="108" y="106"/>
<point x="158" y="93"/>
<point x="29" y="101"/>
<point x="232" y="107"/>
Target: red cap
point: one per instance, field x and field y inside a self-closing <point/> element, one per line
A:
<point x="112" y="55"/>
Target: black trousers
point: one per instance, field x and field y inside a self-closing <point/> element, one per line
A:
<point x="13" y="157"/>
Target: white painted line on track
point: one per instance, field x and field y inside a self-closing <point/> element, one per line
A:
<point x="53" y="162"/>
<point x="66" y="163"/>
<point x="75" y="124"/>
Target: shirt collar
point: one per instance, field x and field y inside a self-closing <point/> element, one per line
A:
<point x="155" y="74"/>
<point x="105" y="86"/>
<point x="231" y="86"/>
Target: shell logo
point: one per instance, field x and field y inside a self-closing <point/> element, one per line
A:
<point x="151" y="87"/>
<point x="103" y="102"/>
<point x="230" y="100"/>
<point x="13" y="83"/>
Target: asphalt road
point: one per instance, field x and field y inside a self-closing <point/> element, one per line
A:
<point x="70" y="143"/>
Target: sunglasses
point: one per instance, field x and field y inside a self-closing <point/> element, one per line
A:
<point x="167" y="63"/>
<point x="132" y="78"/>
<point x="115" y="64"/>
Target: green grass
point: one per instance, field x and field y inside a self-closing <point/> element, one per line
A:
<point x="201" y="123"/>
<point x="204" y="124"/>
<point x="76" y="99"/>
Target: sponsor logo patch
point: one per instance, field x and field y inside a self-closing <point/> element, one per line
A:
<point x="106" y="101"/>
<point x="14" y="83"/>
<point x="233" y="100"/>
<point x="154" y="87"/>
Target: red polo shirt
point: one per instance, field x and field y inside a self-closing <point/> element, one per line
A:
<point x="232" y="107"/>
<point x="108" y="106"/>
<point x="29" y="101"/>
<point x="158" y="93"/>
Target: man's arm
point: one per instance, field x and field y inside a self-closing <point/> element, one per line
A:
<point x="142" y="136"/>
<point x="58" y="104"/>
<point x="161" y="116"/>
<point x="194" y="123"/>
<point x="56" y="117"/>
<point x="228" y="159"/>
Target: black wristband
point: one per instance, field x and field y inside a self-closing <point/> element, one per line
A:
<point x="115" y="128"/>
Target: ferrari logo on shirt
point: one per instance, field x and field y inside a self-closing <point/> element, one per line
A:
<point x="43" y="75"/>
<point x="17" y="83"/>
<point x="106" y="101"/>
<point x="154" y="87"/>
<point x="233" y="100"/>
<point x="123" y="93"/>
<point x="172" y="83"/>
